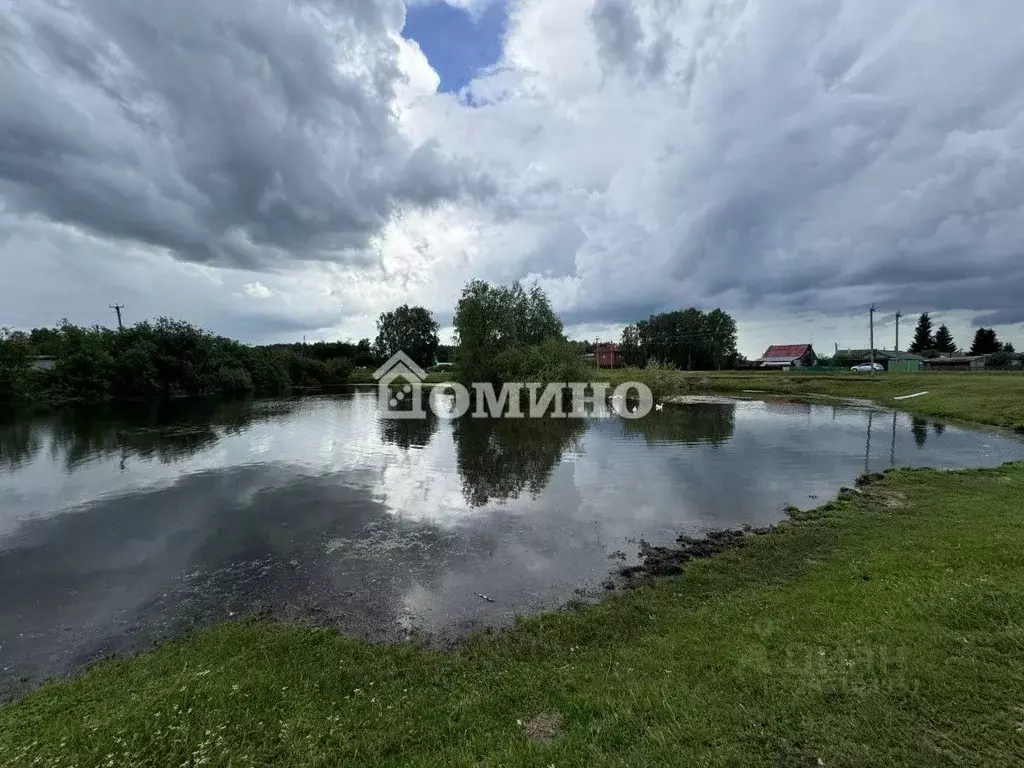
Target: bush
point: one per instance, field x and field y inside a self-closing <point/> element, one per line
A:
<point x="267" y="369"/>
<point x="15" y="367"/>
<point x="233" y="380"/>
<point x="1001" y="360"/>
<point x="338" y="370"/>
<point x="135" y="373"/>
<point x="661" y="378"/>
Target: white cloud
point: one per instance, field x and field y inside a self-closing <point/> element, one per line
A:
<point x="789" y="160"/>
<point x="257" y="290"/>
<point x="785" y="157"/>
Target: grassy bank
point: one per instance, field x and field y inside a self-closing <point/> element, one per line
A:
<point x="886" y="628"/>
<point x="985" y="397"/>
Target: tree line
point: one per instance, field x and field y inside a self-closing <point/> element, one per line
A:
<point x="941" y="342"/>
<point x="511" y="333"/>
<point x="164" y="358"/>
<point x="690" y="339"/>
<point x="503" y="333"/>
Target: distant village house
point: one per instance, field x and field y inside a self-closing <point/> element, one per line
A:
<point x="608" y="355"/>
<point x="957" y="363"/>
<point x="785" y="356"/>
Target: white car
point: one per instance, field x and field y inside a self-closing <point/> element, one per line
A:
<point x="867" y="367"/>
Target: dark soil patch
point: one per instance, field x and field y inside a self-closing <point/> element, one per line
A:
<point x="669" y="561"/>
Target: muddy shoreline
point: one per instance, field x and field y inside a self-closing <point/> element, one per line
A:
<point x="661" y="561"/>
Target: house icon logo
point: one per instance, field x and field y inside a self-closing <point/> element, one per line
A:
<point x="405" y="401"/>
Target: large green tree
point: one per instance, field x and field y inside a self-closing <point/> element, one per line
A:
<point x="985" y="342"/>
<point x="412" y="330"/>
<point x="944" y="341"/>
<point x="923" y="338"/>
<point x="687" y="338"/>
<point x="506" y="333"/>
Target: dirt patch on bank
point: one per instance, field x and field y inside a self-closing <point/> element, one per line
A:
<point x="544" y="727"/>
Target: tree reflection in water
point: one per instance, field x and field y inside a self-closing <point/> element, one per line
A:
<point x="168" y="430"/>
<point x="409" y="433"/>
<point x="499" y="459"/>
<point x="20" y="441"/>
<point x="703" y="423"/>
<point x="919" y="427"/>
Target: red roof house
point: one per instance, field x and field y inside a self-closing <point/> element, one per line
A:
<point x="608" y="355"/>
<point x="788" y="356"/>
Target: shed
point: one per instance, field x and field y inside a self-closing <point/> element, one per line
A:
<point x="959" y="363"/>
<point x="905" y="362"/>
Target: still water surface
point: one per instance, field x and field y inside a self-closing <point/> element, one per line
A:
<point x="121" y="527"/>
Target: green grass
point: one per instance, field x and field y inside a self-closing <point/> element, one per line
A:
<point x="986" y="397"/>
<point x="884" y="629"/>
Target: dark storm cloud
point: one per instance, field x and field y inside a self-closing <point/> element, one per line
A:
<point x="270" y="325"/>
<point x="235" y="132"/>
<point x="624" y="312"/>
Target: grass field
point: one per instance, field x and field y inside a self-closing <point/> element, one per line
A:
<point x="884" y="629"/>
<point x="985" y="397"/>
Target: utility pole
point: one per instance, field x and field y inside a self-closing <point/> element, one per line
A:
<point x="117" y="308"/>
<point x="898" y="316"/>
<point x="871" y="315"/>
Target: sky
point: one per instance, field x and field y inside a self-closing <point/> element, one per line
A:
<point x="274" y="170"/>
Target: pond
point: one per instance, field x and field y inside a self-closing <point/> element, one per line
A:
<point x="124" y="526"/>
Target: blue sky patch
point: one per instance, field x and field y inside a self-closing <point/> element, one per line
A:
<point x="457" y="45"/>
